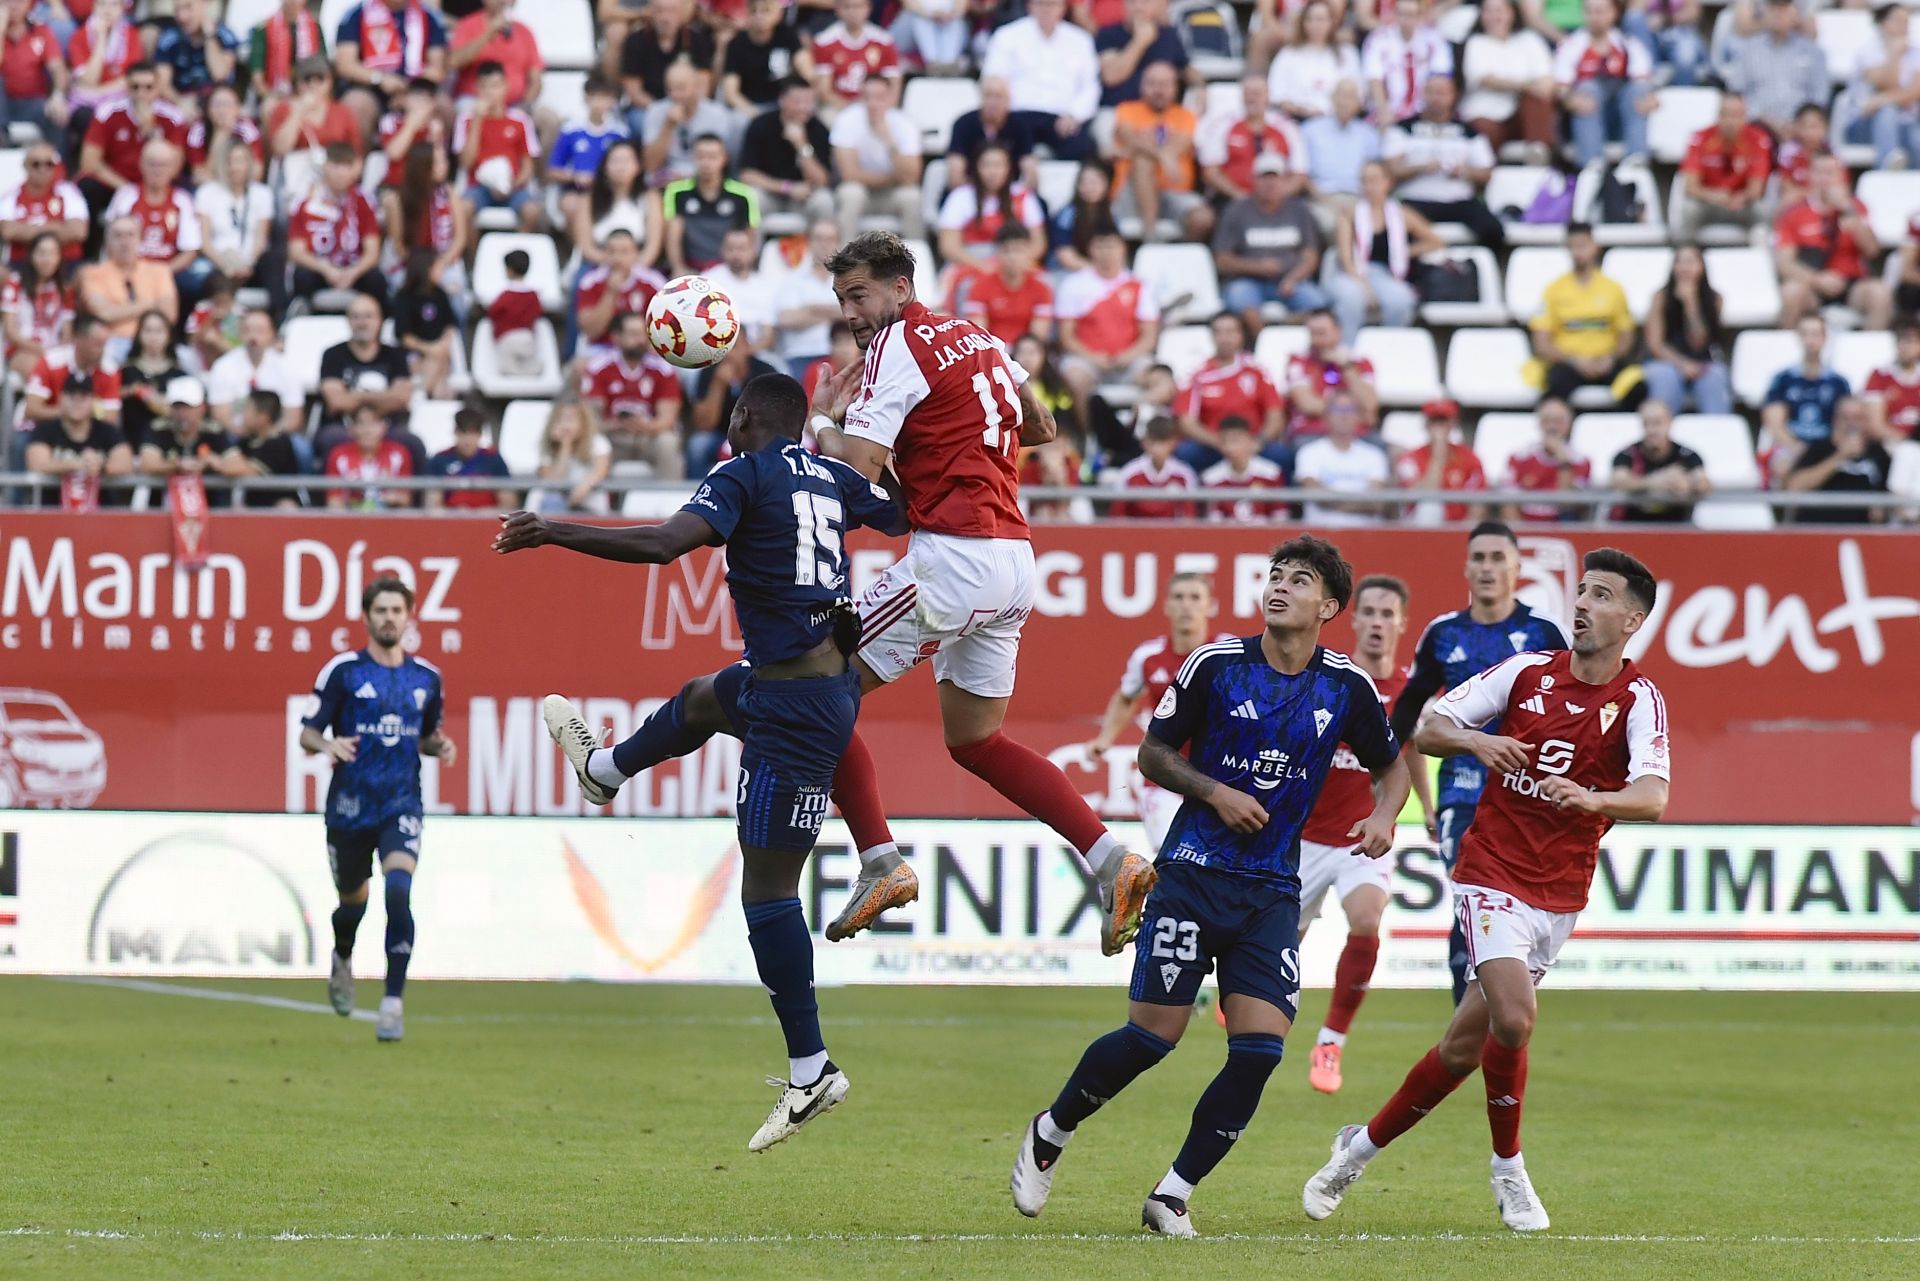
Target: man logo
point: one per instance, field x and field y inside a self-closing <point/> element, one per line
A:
<point x="161" y="912"/>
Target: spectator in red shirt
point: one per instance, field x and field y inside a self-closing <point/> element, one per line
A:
<point x="170" y="229"/>
<point x="1327" y="366"/>
<point x="513" y="313"/>
<point x="1724" y="176"/>
<point x="848" y="52"/>
<point x="1793" y="159"/>
<point x="1444" y="462"/>
<point x="311" y="118"/>
<point x="1109" y="321"/>
<point x="639" y="400"/>
<point x="33" y="72"/>
<point x="1013" y="299"/>
<point x="497" y="146"/>
<point x="1551" y="465"/>
<point x="368" y="458"/>
<point x="1227" y="147"/>
<point x="1157" y="469"/>
<point x="333" y="236"/>
<point x="1242" y="467"/>
<point x="223" y="124"/>
<point x="491" y="35"/>
<point x="1822" y="247"/>
<point x="1892" y="395"/>
<point x="622" y="287"/>
<point x="1229" y="385"/>
<point x="110" y="154"/>
<point x="102" y="54"/>
<point x="45" y="202"/>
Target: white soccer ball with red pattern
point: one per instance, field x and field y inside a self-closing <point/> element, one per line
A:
<point x="692" y="323"/>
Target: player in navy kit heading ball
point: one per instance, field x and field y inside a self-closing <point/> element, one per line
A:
<point x="375" y="712"/>
<point x="1262" y="717"/>
<point x="782" y="514"/>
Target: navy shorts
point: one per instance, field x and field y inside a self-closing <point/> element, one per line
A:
<point x="792" y="735"/>
<point x="1196" y="916"/>
<point x="351" y="853"/>
<point x="1454" y="821"/>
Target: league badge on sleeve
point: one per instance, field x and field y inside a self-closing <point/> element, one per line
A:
<point x="1168" y="701"/>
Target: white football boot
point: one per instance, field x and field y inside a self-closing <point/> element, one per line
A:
<point x="392" y="1026"/>
<point x="1167" y="1216"/>
<point x="1520" y="1207"/>
<point x="1032" y="1174"/>
<point x="569" y="729"/>
<point x="340" y="986"/>
<point x="1325" y="1190"/>
<point x="798" y="1105"/>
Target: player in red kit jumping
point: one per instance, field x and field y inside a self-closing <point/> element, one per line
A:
<point x="938" y="397"/>
<point x="1580" y="743"/>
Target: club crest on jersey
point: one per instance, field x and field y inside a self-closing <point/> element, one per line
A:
<point x="1486" y="924"/>
<point x="419" y="700"/>
<point x="1519" y="640"/>
<point x="1608" y="715"/>
<point x="1169" y="974"/>
<point x="1546" y="683"/>
<point x="1321" y="719"/>
<point x="1168" y="701"/>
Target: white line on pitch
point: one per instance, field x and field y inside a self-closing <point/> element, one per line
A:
<point x="219" y="994"/>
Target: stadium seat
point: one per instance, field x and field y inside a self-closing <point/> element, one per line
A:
<point x="565" y="31"/>
<point x="490" y="270"/>
<point x="1054" y="183"/>
<point x="1457" y="23"/>
<point x="1514" y="187"/>
<point x="1403" y="429"/>
<point x="1843" y="34"/>
<point x="1598" y="437"/>
<point x="1406" y="368"/>
<point x="1276" y="345"/>
<point x="1184" y="348"/>
<point x="1725" y="444"/>
<point x="1641" y="271"/>
<point x="432" y="422"/>
<point x="1220" y="98"/>
<point x="1856" y="354"/>
<point x="522" y="425"/>
<point x="13" y="168"/>
<point x="1484" y="369"/>
<point x="242" y="16"/>
<point x="926" y="276"/>
<point x="1490" y="310"/>
<point x="459" y="377"/>
<point x="1759" y="354"/>
<point x="1498" y="437"/>
<point x="1651" y="229"/>
<point x="1529" y="271"/>
<point x="1181" y="279"/>
<point x="1749" y="288"/>
<point x="564" y="93"/>
<point x="305" y="339"/>
<point x="649" y="504"/>
<point x="331" y="14"/>
<point x="492" y="382"/>
<point x="934" y="103"/>
<point x="1713" y="233"/>
<point x="1211" y="32"/>
<point x="1892" y="200"/>
<point x="496" y="219"/>
<point x="1681" y="113"/>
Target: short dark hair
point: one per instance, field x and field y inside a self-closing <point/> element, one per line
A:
<point x="1497" y="528"/>
<point x="780" y="398"/>
<point x="619" y="322"/>
<point x="489" y="68"/>
<point x="1011" y="231"/>
<point x="1324" y="559"/>
<point x="597" y="83"/>
<point x="216" y="284"/>
<point x="839" y="329"/>
<point x="467" y="418"/>
<point x="1905" y="327"/>
<point x="341" y="153"/>
<point x="1386" y="583"/>
<point x="1234" y="422"/>
<point x="1813" y="107"/>
<point x="425" y="87"/>
<point x="267" y="402"/>
<point x="86" y="322"/>
<point x="1641" y="589"/>
<point x="517" y="263"/>
<point x="1160" y="428"/>
<point x="1579" y="229"/>
<point x="144" y="67"/>
<point x="883" y="254"/>
<point x="1246" y="330"/>
<point x="380" y="587"/>
<point x="711" y="137"/>
<point x="1191" y="576"/>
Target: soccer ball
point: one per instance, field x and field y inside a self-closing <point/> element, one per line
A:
<point x="691" y="323"/>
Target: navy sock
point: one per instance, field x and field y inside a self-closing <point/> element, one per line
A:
<point x="1109" y="1065"/>
<point x="783" y="953"/>
<point x="1457" y="960"/>
<point x="399" y="929"/>
<point x="346" y="924"/>
<point x="1227" y="1105"/>
<point x="662" y="736"/>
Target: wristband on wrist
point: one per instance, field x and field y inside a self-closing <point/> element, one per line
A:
<point x="822" y="423"/>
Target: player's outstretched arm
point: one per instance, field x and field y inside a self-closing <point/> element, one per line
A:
<point x="1120" y="710"/>
<point x="1037" y="426"/>
<point x="671" y="539"/>
<point x="1162" y="764"/>
<point x="1439" y="735"/>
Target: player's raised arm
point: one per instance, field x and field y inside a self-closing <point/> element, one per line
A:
<point x="1037" y="426"/>
<point x="659" y="544"/>
<point x="1450" y="728"/>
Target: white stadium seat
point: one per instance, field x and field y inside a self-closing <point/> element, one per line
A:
<point x="1843" y="34"/>
<point x="1529" y="271"/>
<point x="934" y="103"/>
<point x="1641" y="272"/>
<point x="1681" y="113"/>
<point x="1857" y="353"/>
<point x="564" y="30"/>
<point x="1759" y="354"/>
<point x="522" y="426"/>
<point x="1725" y="444"/>
<point x="1498" y="437"/>
<point x="1651" y="229"/>
<point x="432" y="422"/>
<point x="242" y="16"/>
<point x="305" y="339"/>
<point x="1184" y="348"/>
<point x="487" y="375"/>
<point x="1598" y="437"/>
<point x="13" y="168"/>
<point x="543" y="272"/>
<point x="1181" y="279"/>
<point x="1220" y="98"/>
<point x="1276" y="345"/>
<point x="1748" y="285"/>
<point x="564" y="93"/>
<point x="1892" y="200"/>
<point x="1485" y="368"/>
<point x="926" y="276"/>
<point x="1403" y="429"/>
<point x="1406" y="368"/>
<point x="332" y="12"/>
<point x="1457" y="23"/>
<point x="1514" y="187"/>
<point x="1054" y="183"/>
<point x="1490" y="310"/>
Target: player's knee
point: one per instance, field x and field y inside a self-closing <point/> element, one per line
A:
<point x="974" y="757"/>
<point x="358" y="894"/>
<point x="399" y="890"/>
<point x="1157" y="1028"/>
<point x="1363" y="919"/>
<point x="1460" y="1055"/>
<point x="1512" y="1028"/>
<point x="768" y="876"/>
<point x="1253" y="1056"/>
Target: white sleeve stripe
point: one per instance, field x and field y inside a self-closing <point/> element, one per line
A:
<point x="320" y="681"/>
<point x="1199" y="656"/>
<point x="1645" y="688"/>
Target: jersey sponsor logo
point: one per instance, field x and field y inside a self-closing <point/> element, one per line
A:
<point x="1609" y="713"/>
<point x="1321" y="719"/>
<point x="1537" y="705"/>
<point x="1270" y="768"/>
<point x="1246" y="711"/>
<point x="1555" y="757"/>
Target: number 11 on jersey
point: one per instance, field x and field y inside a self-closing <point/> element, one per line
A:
<point x="1008" y="441"/>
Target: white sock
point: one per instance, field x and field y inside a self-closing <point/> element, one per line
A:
<point x="1330" y="1037"/>
<point x="1049" y="1132"/>
<point x="1515" y="1164"/>
<point x="1361" y="1148"/>
<point x="602" y="770"/>
<point x="806" y="1071"/>
<point x="1103" y="860"/>
<point x="874" y="853"/>
<point x="1174" y="1186"/>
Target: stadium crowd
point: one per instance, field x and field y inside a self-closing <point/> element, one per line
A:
<point x="1235" y="247"/>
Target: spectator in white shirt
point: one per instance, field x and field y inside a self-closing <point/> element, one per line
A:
<point x="1878" y="104"/>
<point x="1302" y="78"/>
<point x="236" y="213"/>
<point x="1054" y="74"/>
<point x="1399" y="60"/>
<point x="257" y="364"/>
<point x="1508" y="74"/>
<point x="738" y="274"/>
<point x="1441" y="166"/>
<point x="877" y="150"/>
<point x="1342" y="463"/>
<point x="805" y="305"/>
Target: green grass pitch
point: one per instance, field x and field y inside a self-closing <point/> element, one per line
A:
<point x="595" y="1131"/>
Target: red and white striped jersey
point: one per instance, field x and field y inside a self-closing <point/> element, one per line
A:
<point x="1347" y="795"/>
<point x="620" y="390"/>
<point x="1175" y="477"/>
<point x="168" y="226"/>
<point x="1404" y="64"/>
<point x="1261" y="473"/>
<point x="1619" y="57"/>
<point x="944" y="396"/>
<point x="1599" y="736"/>
<point x="849" y="60"/>
<point x="1151" y="668"/>
<point x="1107" y="312"/>
<point x="60" y="202"/>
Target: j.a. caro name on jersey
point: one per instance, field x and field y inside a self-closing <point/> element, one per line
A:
<point x="958" y="350"/>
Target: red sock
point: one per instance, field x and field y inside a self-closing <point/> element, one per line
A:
<point x="857" y="792"/>
<point x="1505" y="1072"/>
<point x="1350" y="979"/>
<point x="1424" y="1089"/>
<point x="1035" y="784"/>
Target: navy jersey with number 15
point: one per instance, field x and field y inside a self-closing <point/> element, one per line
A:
<point x="783" y="514"/>
<point x="1272" y="736"/>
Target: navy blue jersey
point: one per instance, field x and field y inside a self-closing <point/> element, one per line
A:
<point x="1452" y="651"/>
<point x="391" y="709"/>
<point x="784" y="514"/>
<point x="1270" y="735"/>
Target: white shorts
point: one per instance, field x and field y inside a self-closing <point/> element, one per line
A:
<point x="1157" y="807"/>
<point x="960" y="602"/>
<point x="1336" y="868"/>
<point x="1498" y="925"/>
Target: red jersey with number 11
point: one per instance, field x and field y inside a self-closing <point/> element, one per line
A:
<point x="944" y="396"/>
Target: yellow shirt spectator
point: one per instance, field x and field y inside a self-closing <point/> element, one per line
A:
<point x="1584" y="319"/>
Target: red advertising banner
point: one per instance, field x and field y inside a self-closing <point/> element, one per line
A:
<point x="1790" y="661"/>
